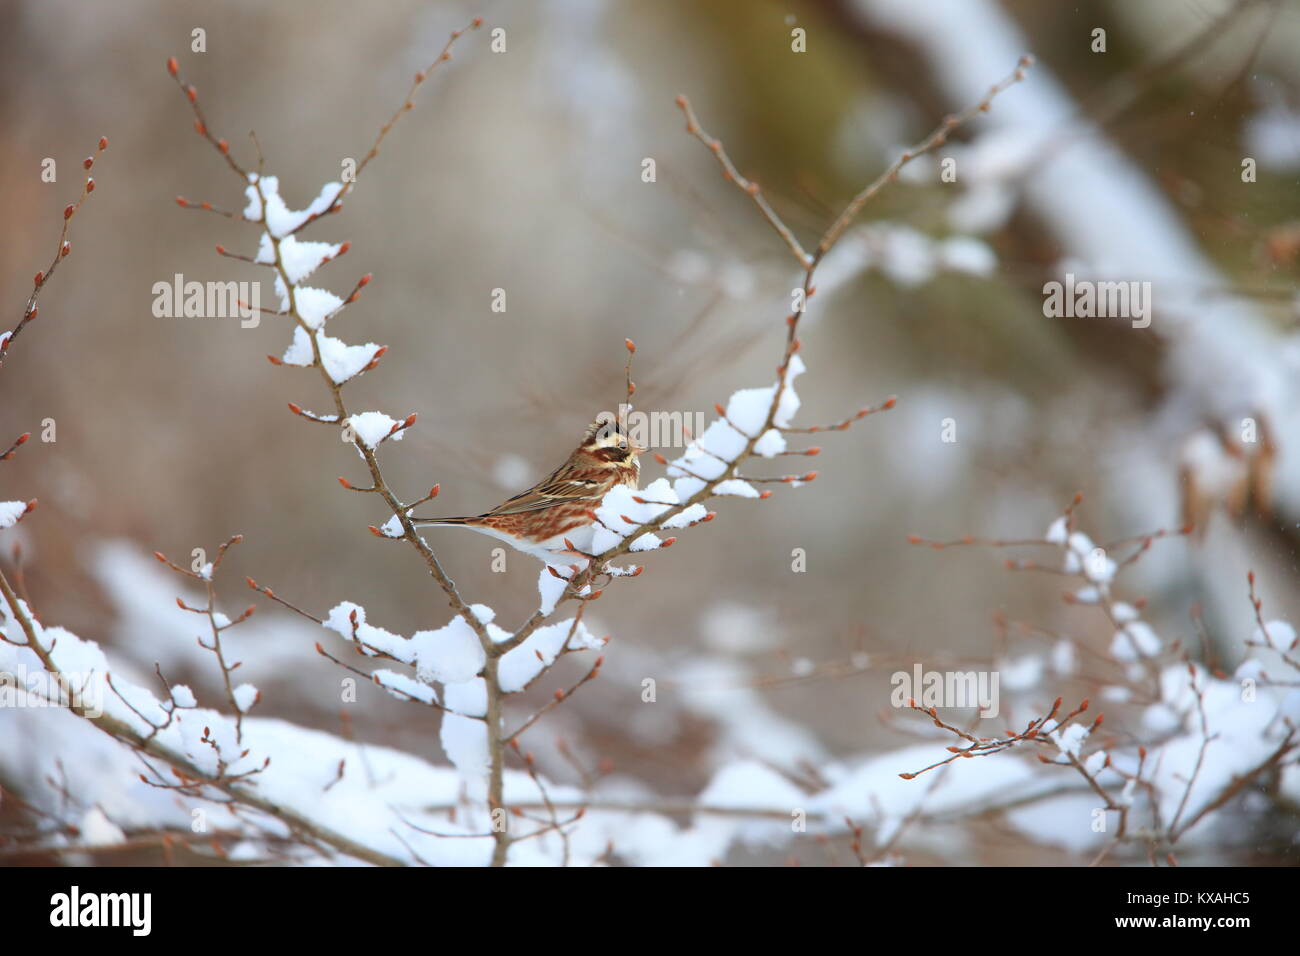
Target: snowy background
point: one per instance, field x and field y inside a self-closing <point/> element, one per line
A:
<point x="522" y="171"/>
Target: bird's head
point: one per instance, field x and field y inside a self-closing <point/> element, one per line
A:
<point x="607" y="439"/>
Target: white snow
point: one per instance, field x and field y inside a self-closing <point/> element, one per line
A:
<point x="98" y="830"/>
<point x="1135" y="640"/>
<point x="1278" y="635"/>
<point x="315" y="305"/>
<point x="10" y="512"/>
<point x="519" y="666"/>
<point x="245" y="697"/>
<point x="551" y="589"/>
<point x="298" y="257"/>
<point x="264" y="195"/>
<point x="449" y="655"/>
<point x="373" y="427"/>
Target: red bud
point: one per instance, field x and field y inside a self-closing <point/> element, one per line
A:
<point x="172" y="66"/>
<point x="68" y="210"/>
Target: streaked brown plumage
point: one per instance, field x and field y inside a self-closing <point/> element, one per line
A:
<point x="561" y="505"/>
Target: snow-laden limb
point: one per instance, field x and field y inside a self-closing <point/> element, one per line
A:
<point x="373" y="427"/>
<point x="266" y="206"/>
<point x="200" y="747"/>
<point x="342" y="362"/>
<point x="1189" y="740"/>
<point x="290" y="782"/>
<point x="453" y="657"/>
<point x="314" y="305"/>
<point x="300" y="259"/>
<point x="523" y="664"/>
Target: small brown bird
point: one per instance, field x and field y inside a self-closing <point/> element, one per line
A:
<point x="561" y="505"/>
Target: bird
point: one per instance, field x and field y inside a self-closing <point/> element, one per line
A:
<point x="555" y="519"/>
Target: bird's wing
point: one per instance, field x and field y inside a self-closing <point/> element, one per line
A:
<point x="553" y="492"/>
<point x="566" y="485"/>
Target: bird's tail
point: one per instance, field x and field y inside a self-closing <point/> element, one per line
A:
<point x="434" y="522"/>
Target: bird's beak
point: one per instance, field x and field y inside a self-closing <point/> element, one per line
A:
<point x="638" y="449"/>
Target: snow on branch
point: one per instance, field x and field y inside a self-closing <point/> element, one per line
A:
<point x="1192" y="737"/>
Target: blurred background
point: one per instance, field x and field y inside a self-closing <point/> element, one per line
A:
<point x="522" y="170"/>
